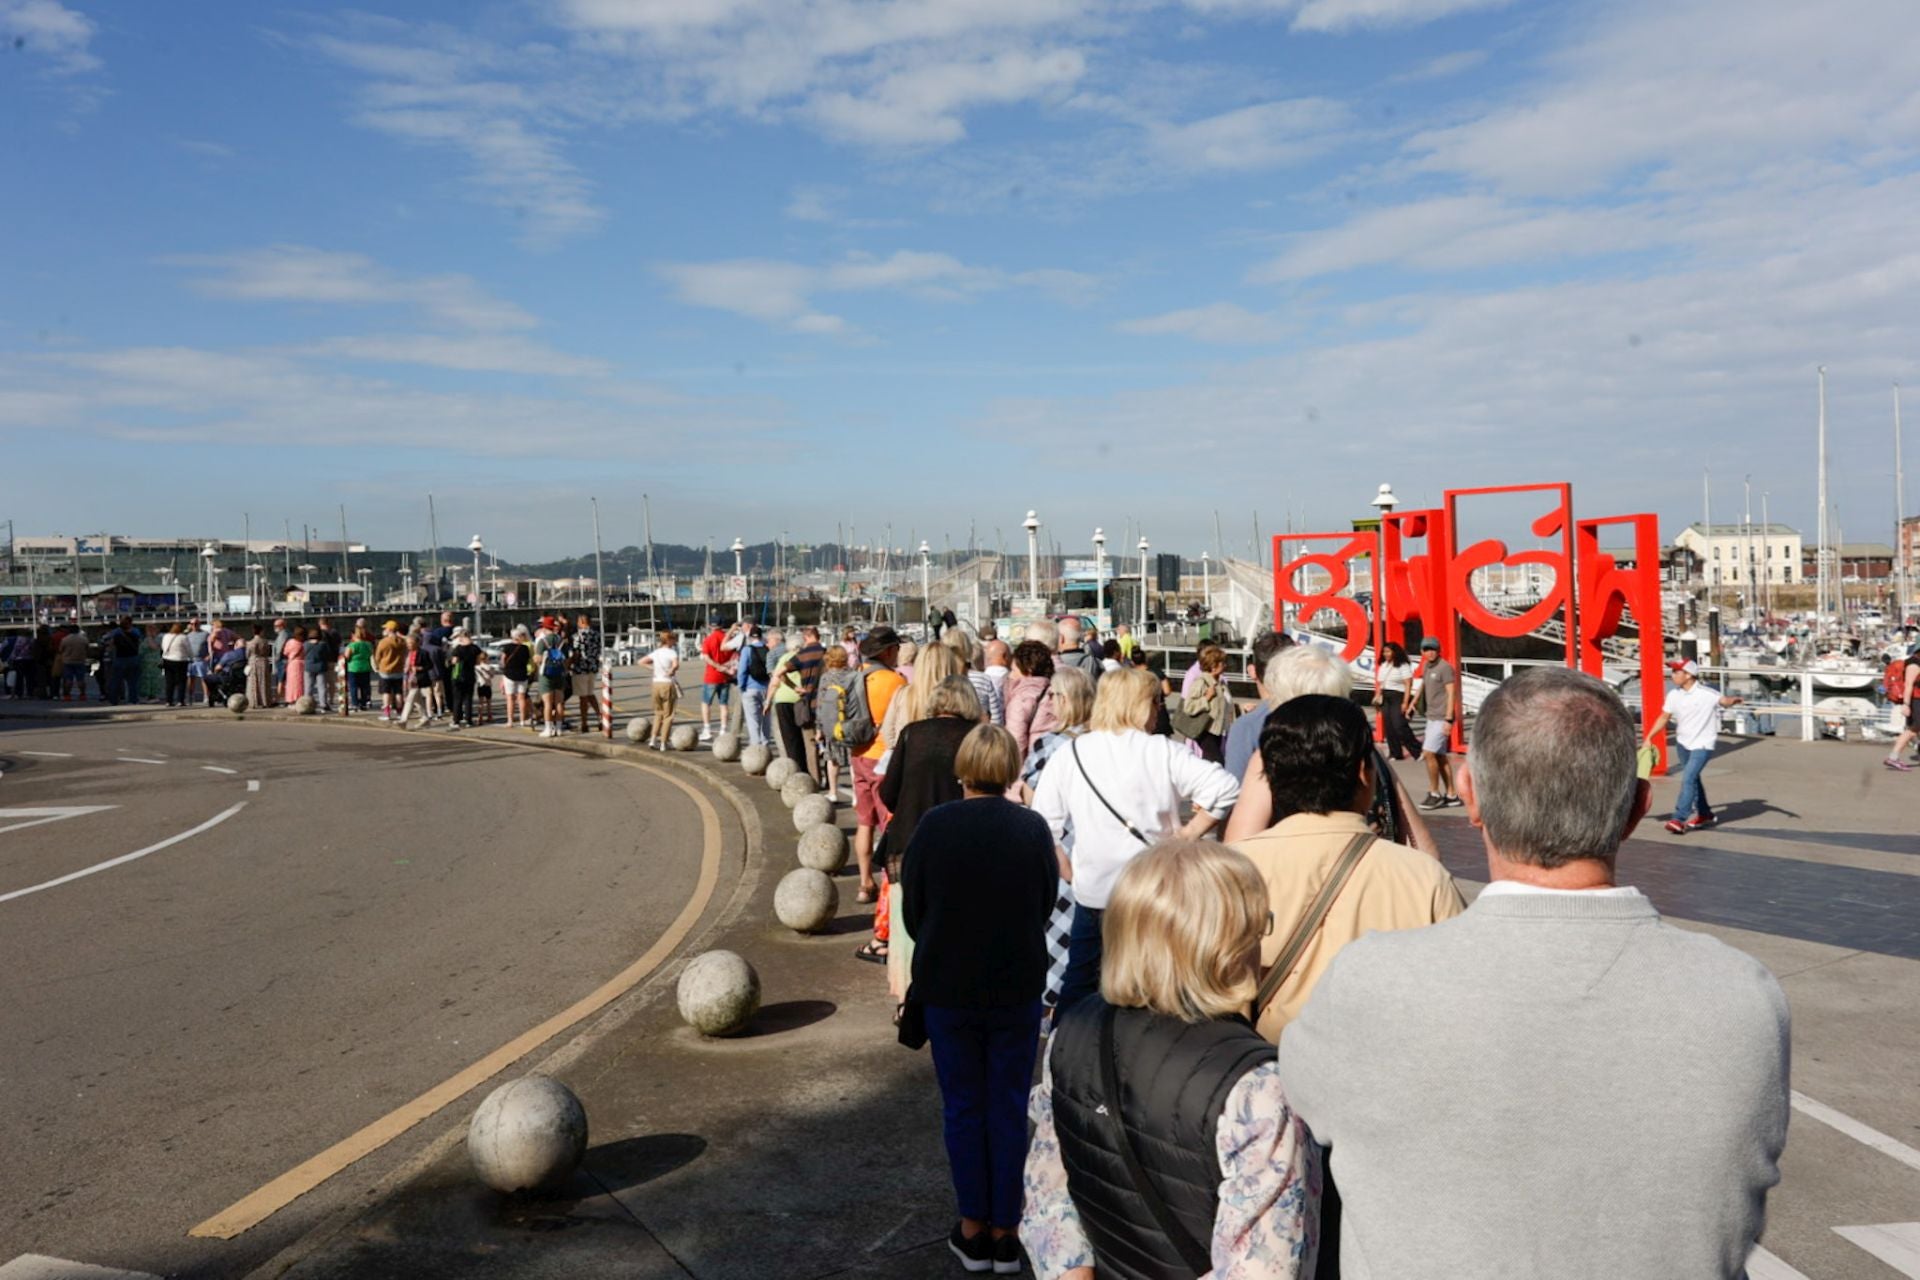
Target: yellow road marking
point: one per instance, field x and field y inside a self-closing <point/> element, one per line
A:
<point x="255" y="1208"/>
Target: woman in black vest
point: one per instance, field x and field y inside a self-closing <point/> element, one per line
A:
<point x="977" y="882"/>
<point x="1163" y="1146"/>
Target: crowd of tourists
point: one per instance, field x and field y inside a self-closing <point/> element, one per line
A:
<point x="1272" y="1037"/>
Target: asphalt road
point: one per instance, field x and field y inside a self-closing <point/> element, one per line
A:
<point x="374" y="913"/>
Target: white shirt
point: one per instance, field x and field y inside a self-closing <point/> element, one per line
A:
<point x="1394" y="679"/>
<point x="1696" y="715"/>
<point x="175" y="647"/>
<point x="666" y="664"/>
<point x="999" y="677"/>
<point x="1146" y="778"/>
<point x="1508" y="888"/>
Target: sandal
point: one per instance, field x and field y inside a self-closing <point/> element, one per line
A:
<point x="868" y="894"/>
<point x="872" y="953"/>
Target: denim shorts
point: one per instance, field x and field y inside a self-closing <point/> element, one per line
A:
<point x="712" y="693"/>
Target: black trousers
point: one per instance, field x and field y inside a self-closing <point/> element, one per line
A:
<point x="1399" y="733"/>
<point x="460" y="702"/>
<point x="792" y="745"/>
<point x="174" y="678"/>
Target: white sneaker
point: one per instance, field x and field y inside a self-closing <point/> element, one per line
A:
<point x="546" y="731"/>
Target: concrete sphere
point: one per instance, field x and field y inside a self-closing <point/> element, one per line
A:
<point x="718" y="993"/>
<point x="683" y="737"/>
<point x="798" y="786"/>
<point x="823" y="847"/>
<point x="726" y="747"/>
<point x="754" y="759"/>
<point x="639" y="728"/>
<point x="811" y="812"/>
<point x="529" y="1135"/>
<point x="778" y="771"/>
<point x="806" y="900"/>
<point x="305" y="705"/>
<point x="238" y="704"/>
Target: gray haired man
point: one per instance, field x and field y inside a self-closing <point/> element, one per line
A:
<point x="1555" y="1082"/>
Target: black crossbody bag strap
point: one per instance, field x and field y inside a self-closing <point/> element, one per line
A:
<point x="1190" y="1250"/>
<point x="1119" y="817"/>
<point x="1310" y="923"/>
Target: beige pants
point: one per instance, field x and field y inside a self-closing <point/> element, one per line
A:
<point x="665" y="695"/>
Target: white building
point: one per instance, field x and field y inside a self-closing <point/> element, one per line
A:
<point x="1733" y="554"/>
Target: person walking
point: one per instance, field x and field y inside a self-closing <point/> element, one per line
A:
<point x="1318" y="755"/>
<point x="1901" y="694"/>
<point x="1395" y="698"/>
<point x="1693" y="708"/>
<point x="1440" y="703"/>
<point x="664" y="662"/>
<point x="295" y="656"/>
<point x="1211" y="707"/>
<point x="516" y="674"/>
<point x="1122" y="789"/>
<point x="1163" y="1142"/>
<point x="1501" y="1092"/>
<point x="1029" y="716"/>
<point x="979" y="879"/>
<point x="419" y="680"/>
<point x="260" y="667"/>
<point x="176" y="655"/>
<point x="920" y="777"/>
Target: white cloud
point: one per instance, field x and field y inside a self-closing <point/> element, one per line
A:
<point x="469" y="353"/>
<point x="780" y="293"/>
<point x="1443" y="66"/>
<point x="51" y="30"/>
<point x="297" y="273"/>
<point x="1346" y="15"/>
<point x="1221" y="322"/>
<point x="924" y="104"/>
<point x="1262" y="136"/>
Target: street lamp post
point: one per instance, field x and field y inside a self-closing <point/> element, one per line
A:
<point x="1033" y="554"/>
<point x="1099" y="576"/>
<point x="740" y="605"/>
<point x="366" y="587"/>
<point x="1384" y="502"/>
<point x="1206" y="580"/>
<point x="926" y="584"/>
<point x="1143" y="584"/>
<point x="476" y="546"/>
<point x="207" y="553"/>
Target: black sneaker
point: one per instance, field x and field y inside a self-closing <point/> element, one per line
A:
<point x="975" y="1254"/>
<point x="1453" y="802"/>
<point x="1433" y="801"/>
<point x="1006" y="1256"/>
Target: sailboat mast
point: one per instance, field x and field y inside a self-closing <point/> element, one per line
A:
<point x="1899" y="519"/>
<point x="1823" y="570"/>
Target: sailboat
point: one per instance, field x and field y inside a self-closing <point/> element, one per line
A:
<point x="1834" y="669"/>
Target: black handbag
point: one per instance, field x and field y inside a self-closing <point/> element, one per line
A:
<point x="911" y="1022"/>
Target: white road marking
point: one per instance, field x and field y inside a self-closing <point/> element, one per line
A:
<point x="1861" y="1133"/>
<point x="39" y="817"/>
<point x="49" y="755"/>
<point x="214" y="768"/>
<point x="1895" y="1243"/>
<point x="1762" y="1265"/>
<point x="253" y="784"/>
<point x="34" y="1266"/>
<point x="138" y="760"/>
<point x="97" y="867"/>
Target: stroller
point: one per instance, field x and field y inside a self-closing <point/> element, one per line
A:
<point x="227" y="676"/>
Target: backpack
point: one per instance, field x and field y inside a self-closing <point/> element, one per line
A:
<point x="757" y="663"/>
<point x="853" y="722"/>
<point x="1895" y="679"/>
<point x="553" y="662"/>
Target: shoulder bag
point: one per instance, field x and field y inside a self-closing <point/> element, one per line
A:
<point x="1118" y="817"/>
<point x="1310" y="923"/>
<point x="1191" y="1251"/>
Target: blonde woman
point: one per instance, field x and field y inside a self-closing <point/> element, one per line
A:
<point x="936" y="663"/>
<point x="979" y="881"/>
<point x="836" y="676"/>
<point x="1118" y="789"/>
<point x="1162" y="1064"/>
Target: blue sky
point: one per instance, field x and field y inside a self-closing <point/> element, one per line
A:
<point x="787" y="263"/>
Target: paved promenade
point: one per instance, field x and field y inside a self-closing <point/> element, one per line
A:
<point x="810" y="1147"/>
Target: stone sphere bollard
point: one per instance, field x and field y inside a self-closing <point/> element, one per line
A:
<point x="238" y="704"/>
<point x="305" y="705"/>
<point x="718" y="993"/>
<point x="639" y="729"/>
<point x="806" y="900"/>
<point x="823" y="848"/>
<point x="529" y="1135"/>
<point x="778" y="771"/>
<point x="726" y="747"/>
<point x="754" y="759"/>
<point x="811" y="812"/>
<point x="683" y="737"/>
<point x="798" y="786"/>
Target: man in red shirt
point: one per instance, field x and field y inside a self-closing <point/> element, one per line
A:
<point x="717" y="670"/>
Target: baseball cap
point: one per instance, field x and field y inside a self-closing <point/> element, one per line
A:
<point x="389" y="625"/>
<point x="1431" y="642"/>
<point x="878" y="641"/>
<point x="1687" y="665"/>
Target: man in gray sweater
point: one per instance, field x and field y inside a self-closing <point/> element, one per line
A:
<point x="1555" y="1083"/>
